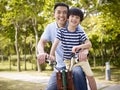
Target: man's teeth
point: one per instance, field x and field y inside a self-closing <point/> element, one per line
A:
<point x="61" y="18"/>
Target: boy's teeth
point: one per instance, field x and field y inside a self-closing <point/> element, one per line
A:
<point x="61" y="19"/>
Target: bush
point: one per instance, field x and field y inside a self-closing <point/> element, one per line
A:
<point x="3" y="57"/>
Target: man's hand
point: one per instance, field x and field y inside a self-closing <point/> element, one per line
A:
<point x="83" y="55"/>
<point x="42" y="57"/>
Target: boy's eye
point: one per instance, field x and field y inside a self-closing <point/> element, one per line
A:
<point x="77" y="17"/>
<point x="74" y="16"/>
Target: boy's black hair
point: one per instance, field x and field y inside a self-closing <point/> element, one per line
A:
<point x="77" y="12"/>
<point x="61" y="4"/>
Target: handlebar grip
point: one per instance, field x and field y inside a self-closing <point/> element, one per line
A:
<point x="50" y="62"/>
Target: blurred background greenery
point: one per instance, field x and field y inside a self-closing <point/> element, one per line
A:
<point x="23" y="21"/>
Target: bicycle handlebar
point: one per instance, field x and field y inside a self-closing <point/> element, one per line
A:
<point x="75" y="57"/>
<point x="51" y="63"/>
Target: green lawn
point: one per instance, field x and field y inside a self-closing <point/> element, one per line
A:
<point x="99" y="73"/>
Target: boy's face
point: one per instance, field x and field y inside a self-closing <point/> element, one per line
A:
<point x="60" y="15"/>
<point x="74" y="20"/>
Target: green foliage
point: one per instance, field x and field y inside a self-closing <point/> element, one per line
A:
<point x="101" y="23"/>
<point x="3" y="57"/>
<point x="103" y="30"/>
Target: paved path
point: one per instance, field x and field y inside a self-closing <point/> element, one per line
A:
<point x="44" y="80"/>
<point x="25" y="77"/>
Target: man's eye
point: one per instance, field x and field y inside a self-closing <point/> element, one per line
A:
<point x="58" y="12"/>
<point x="64" y="12"/>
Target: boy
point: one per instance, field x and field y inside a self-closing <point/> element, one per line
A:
<point x="72" y="41"/>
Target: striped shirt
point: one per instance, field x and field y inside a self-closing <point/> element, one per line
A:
<point x="70" y="39"/>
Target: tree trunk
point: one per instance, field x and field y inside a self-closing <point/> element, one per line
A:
<point x="25" y="66"/>
<point x="9" y="57"/>
<point x="17" y="48"/>
<point x="94" y="60"/>
<point x="34" y="22"/>
<point x="10" y="63"/>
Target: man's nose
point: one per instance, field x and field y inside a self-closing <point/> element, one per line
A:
<point x="62" y="14"/>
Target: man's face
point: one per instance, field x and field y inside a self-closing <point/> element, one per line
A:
<point x="60" y="15"/>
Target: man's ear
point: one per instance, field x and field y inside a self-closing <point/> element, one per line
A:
<point x="53" y="14"/>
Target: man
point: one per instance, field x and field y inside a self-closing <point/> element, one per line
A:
<point x="60" y="14"/>
<point x="72" y="41"/>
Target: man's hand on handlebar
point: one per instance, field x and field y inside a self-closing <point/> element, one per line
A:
<point x="42" y="57"/>
<point x="51" y="60"/>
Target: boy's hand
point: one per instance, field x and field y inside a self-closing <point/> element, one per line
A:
<point x="51" y="57"/>
<point x="83" y="55"/>
<point x="75" y="49"/>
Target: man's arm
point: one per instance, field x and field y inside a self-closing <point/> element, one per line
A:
<point x="45" y="37"/>
<point x="40" y="48"/>
<point x="41" y="45"/>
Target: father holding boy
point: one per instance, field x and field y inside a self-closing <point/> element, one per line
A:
<point x="60" y="14"/>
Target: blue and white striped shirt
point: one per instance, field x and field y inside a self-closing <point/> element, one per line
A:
<point x="50" y="34"/>
<point x="70" y="39"/>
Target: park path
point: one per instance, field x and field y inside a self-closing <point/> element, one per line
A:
<point x="25" y="77"/>
<point x="44" y="79"/>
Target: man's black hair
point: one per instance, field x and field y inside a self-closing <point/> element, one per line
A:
<point x="77" y="12"/>
<point x="61" y="4"/>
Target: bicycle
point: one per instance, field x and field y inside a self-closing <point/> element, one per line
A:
<point x="64" y="77"/>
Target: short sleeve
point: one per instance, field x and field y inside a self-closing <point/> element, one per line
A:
<point x="83" y="35"/>
<point x="79" y="27"/>
<point x="46" y="33"/>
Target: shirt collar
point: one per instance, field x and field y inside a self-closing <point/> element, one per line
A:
<point x="60" y="28"/>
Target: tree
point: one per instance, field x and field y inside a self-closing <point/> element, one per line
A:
<point x="14" y="16"/>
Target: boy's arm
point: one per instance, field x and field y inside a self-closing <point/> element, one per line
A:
<point x="53" y="48"/>
<point x="87" y="45"/>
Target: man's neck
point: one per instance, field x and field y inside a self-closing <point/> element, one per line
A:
<point x="60" y="25"/>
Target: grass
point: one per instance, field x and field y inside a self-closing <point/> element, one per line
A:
<point x="99" y="73"/>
